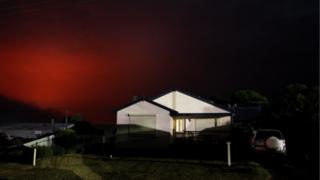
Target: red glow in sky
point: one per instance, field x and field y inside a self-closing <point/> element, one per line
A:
<point x="81" y="80"/>
<point x="92" y="56"/>
<point x="56" y="58"/>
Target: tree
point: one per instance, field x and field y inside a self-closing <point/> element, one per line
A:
<point x="4" y="140"/>
<point x="76" y="118"/>
<point x="299" y="99"/>
<point x="66" y="139"/>
<point x="300" y="115"/>
<point x="86" y="128"/>
<point x="249" y="97"/>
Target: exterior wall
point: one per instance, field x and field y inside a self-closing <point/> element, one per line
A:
<point x="163" y="119"/>
<point x="201" y="124"/>
<point x="187" y="104"/>
<point x="163" y="131"/>
<point x="224" y="121"/>
<point x="204" y="129"/>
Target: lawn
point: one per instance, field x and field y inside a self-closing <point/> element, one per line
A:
<point x="93" y="167"/>
<point x="75" y="166"/>
<point x="12" y="171"/>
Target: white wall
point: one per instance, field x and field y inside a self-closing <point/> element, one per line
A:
<point x="187" y="104"/>
<point x="163" y="119"/>
<point x="164" y="126"/>
<point x="202" y="124"/>
<point x="224" y="121"/>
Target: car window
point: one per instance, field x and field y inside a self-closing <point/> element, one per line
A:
<point x="266" y="134"/>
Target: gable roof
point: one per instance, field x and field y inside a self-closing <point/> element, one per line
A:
<point x="172" y="112"/>
<point x="196" y="97"/>
<point x="176" y="113"/>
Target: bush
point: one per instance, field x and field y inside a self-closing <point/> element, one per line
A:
<point x="17" y="154"/>
<point x="59" y="150"/>
<point x="43" y="152"/>
<point x="66" y="139"/>
<point x="86" y="128"/>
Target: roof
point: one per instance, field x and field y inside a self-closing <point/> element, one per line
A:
<point x="176" y="113"/>
<point x="32" y="130"/>
<point x="172" y="112"/>
<point x="196" y="97"/>
<point x="203" y="115"/>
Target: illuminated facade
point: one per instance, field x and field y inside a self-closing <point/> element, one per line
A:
<point x="172" y="116"/>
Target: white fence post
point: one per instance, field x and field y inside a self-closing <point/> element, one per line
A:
<point x="34" y="156"/>
<point x="229" y="153"/>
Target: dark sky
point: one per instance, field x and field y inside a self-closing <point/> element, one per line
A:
<point x="92" y="56"/>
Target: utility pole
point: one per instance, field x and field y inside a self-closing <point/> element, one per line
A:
<point x="52" y="125"/>
<point x="229" y="153"/>
<point x="66" y="120"/>
<point x="34" y="157"/>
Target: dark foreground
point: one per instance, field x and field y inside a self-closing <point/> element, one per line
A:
<point x="75" y="166"/>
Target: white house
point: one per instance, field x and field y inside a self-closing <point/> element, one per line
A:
<point x="171" y="116"/>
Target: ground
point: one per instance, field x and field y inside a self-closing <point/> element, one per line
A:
<point x="15" y="171"/>
<point x="75" y="166"/>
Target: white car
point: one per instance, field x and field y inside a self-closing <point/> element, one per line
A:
<point x="268" y="141"/>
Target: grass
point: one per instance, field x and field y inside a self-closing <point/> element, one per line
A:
<point x="12" y="171"/>
<point x="93" y="167"/>
<point x="75" y="166"/>
<point x="73" y="162"/>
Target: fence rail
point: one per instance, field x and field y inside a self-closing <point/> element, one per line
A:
<point x="197" y="136"/>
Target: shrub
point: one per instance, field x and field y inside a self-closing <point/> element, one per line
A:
<point x="66" y="139"/>
<point x="59" y="150"/>
<point x="17" y="154"/>
<point x="43" y="151"/>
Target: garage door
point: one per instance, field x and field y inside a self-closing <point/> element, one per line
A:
<point x="142" y="124"/>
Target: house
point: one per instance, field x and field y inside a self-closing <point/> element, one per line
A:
<point x="32" y="130"/>
<point x="169" y="118"/>
<point x="46" y="140"/>
<point x="31" y="134"/>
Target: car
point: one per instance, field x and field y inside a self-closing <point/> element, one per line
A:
<point x="268" y="141"/>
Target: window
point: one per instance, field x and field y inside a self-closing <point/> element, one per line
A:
<point x="179" y="125"/>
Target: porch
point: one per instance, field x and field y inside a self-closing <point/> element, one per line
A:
<point x="209" y="128"/>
